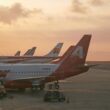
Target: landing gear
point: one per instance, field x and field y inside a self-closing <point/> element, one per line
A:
<point x="54" y="86"/>
<point x="38" y="87"/>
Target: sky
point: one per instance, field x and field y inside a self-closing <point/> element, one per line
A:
<point x="43" y="23"/>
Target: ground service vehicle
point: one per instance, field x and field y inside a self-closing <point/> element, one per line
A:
<point x="51" y="96"/>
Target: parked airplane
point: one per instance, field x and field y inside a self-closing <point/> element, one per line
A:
<point x="34" y="75"/>
<point x="29" y="52"/>
<point x="52" y="55"/>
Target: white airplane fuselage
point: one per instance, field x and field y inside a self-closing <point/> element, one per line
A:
<point x="26" y="71"/>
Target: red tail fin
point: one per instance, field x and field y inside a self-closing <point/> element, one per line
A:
<point x="79" y="53"/>
<point x="73" y="64"/>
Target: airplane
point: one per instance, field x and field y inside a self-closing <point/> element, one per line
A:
<point x="37" y="75"/>
<point x="52" y="55"/>
<point x="30" y="52"/>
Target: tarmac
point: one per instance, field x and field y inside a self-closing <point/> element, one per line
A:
<point x="87" y="91"/>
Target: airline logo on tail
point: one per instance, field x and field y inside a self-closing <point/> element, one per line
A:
<point x="78" y="52"/>
<point x="57" y="49"/>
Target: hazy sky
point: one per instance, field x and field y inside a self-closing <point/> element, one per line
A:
<point x="43" y="23"/>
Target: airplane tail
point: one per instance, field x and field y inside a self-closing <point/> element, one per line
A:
<point x="73" y="63"/>
<point x="68" y="52"/>
<point x="30" y="52"/>
<point x="79" y="53"/>
<point x="17" y="53"/>
<point x="55" y="51"/>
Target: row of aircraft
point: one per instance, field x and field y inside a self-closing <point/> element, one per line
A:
<point x="35" y="71"/>
<point x="29" y="52"/>
<point x="29" y="58"/>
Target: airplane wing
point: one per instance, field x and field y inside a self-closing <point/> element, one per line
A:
<point x="23" y="59"/>
<point x="101" y="67"/>
<point x="16" y="61"/>
<point x="29" y="78"/>
<point x="104" y="65"/>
